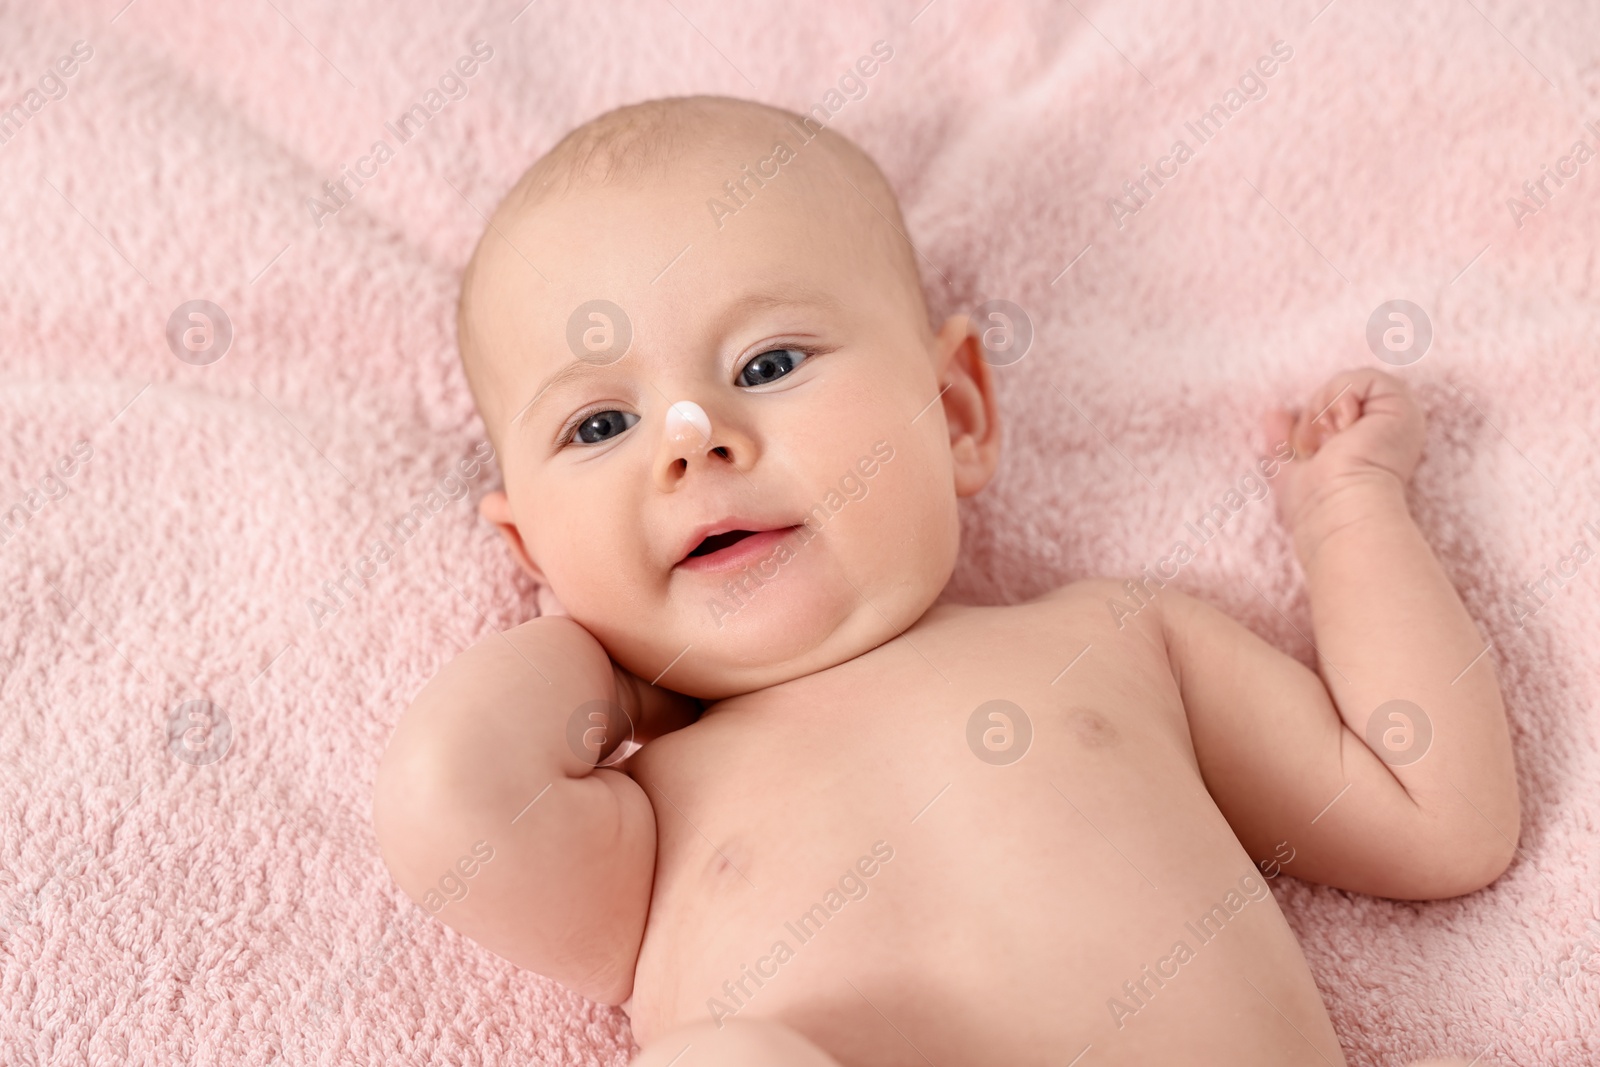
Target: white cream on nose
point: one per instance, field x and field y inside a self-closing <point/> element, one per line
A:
<point x="687" y="420"/>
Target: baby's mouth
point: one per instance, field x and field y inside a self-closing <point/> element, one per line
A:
<point x="729" y="550"/>
<point x="717" y="542"/>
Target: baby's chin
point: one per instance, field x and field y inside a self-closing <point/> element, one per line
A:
<point x="745" y="639"/>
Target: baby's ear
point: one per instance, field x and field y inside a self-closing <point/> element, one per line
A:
<point x="496" y="507"/>
<point x="969" y="404"/>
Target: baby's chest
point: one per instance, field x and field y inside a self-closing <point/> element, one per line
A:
<point x="1014" y="731"/>
<point x="1041" y="786"/>
<point x="1013" y="825"/>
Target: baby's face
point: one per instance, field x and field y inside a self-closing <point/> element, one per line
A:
<point x="817" y="517"/>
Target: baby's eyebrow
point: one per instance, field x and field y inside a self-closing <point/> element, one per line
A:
<point x="779" y="297"/>
<point x="576" y="369"/>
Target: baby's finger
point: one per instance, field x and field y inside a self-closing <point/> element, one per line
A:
<point x="1336" y="412"/>
<point x="1279" y="424"/>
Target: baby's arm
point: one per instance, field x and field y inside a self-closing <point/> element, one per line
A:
<point x="483" y="755"/>
<point x="1297" y="759"/>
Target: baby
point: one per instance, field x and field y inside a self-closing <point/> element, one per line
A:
<point x="757" y="789"/>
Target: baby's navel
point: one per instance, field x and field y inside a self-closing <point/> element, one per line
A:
<point x="1091" y="729"/>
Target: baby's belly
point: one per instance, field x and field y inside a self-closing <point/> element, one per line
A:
<point x="902" y="908"/>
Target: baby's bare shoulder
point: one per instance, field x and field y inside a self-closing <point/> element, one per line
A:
<point x="1078" y="650"/>
<point x="1086" y="590"/>
<point x="1095" y="616"/>
<point x="1104" y="605"/>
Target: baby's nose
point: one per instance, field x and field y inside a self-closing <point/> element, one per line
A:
<point x="689" y="440"/>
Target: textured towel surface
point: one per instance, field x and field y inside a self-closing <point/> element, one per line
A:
<point x="178" y="565"/>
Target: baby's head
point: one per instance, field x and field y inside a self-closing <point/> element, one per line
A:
<point x="695" y="321"/>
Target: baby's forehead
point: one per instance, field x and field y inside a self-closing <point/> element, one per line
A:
<point x="681" y="231"/>
<point x="656" y="244"/>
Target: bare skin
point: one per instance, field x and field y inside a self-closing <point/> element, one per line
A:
<point x="1083" y="869"/>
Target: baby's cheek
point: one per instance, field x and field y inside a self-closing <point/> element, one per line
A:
<point x="588" y="571"/>
<point x="912" y="514"/>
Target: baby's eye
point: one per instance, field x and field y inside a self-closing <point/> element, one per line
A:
<point x="771" y="365"/>
<point x="602" y="426"/>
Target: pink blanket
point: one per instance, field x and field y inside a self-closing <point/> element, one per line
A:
<point x="236" y="536"/>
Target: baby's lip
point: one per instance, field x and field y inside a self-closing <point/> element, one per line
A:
<point x="728" y="525"/>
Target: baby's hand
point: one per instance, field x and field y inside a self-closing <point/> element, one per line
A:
<point x="1360" y="426"/>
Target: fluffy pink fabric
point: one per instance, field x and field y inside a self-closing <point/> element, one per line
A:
<point x="236" y="911"/>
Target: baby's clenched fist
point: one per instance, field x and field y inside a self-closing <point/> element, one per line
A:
<point x="1362" y="426"/>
